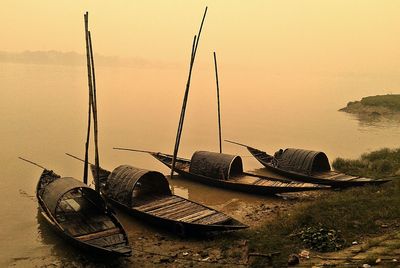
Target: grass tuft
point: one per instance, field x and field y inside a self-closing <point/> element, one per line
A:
<point x="377" y="164"/>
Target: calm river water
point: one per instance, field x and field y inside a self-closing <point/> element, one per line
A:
<point x="43" y="114"/>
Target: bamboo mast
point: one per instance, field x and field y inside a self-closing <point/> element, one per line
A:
<point x="219" y="108"/>
<point x="94" y="106"/>
<point x="77" y="158"/>
<point x="85" y="167"/>
<point x="183" y="109"/>
<point x="182" y="116"/>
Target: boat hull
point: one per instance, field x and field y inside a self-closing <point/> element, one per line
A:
<point x="229" y="185"/>
<point x="178" y="227"/>
<point x="170" y="208"/>
<point x="88" y="248"/>
<point x="91" y="237"/>
<point x="339" y="184"/>
<point x="259" y="155"/>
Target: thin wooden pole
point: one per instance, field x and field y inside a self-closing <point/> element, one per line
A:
<point x="31" y="162"/>
<point x="133" y="150"/>
<point x="237" y="143"/>
<point x="77" y="158"/>
<point x="94" y="106"/>
<point x="182" y="117"/>
<point x="219" y="108"/>
<point x="86" y="165"/>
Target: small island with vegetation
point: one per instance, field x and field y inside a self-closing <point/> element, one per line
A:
<point x="380" y="105"/>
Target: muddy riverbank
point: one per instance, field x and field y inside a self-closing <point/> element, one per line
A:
<point x="153" y="246"/>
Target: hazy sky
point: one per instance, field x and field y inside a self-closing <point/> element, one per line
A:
<point x="316" y="36"/>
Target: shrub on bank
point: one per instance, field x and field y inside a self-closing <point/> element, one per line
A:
<point x="390" y="101"/>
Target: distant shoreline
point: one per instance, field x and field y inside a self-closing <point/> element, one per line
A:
<point x="71" y="58"/>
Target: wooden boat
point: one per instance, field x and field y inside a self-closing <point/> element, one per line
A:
<point x="308" y="166"/>
<point x="80" y="215"/>
<point x="226" y="171"/>
<point x="146" y="195"/>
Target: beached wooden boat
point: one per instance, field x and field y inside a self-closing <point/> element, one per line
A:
<point x="80" y="215"/>
<point x="146" y="195"/>
<point x="226" y="171"/>
<point x="308" y="166"/>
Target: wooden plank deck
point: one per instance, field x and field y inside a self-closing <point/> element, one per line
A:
<point x="213" y="219"/>
<point x="99" y="234"/>
<point x="179" y="209"/>
<point x="157" y="203"/>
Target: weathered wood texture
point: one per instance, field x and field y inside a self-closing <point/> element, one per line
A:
<point x="180" y="209"/>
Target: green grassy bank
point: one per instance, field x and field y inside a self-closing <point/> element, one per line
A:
<point x="337" y="218"/>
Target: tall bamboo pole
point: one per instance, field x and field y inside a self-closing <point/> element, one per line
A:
<point x="183" y="109"/>
<point x="94" y="106"/>
<point x="219" y="108"/>
<point x="86" y="165"/>
<point x="96" y="133"/>
<point x="182" y="117"/>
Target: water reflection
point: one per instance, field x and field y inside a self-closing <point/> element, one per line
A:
<point x="60" y="249"/>
<point x="45" y="233"/>
<point x="371" y="122"/>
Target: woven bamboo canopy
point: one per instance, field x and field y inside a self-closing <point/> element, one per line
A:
<point x="302" y="160"/>
<point x="215" y="165"/>
<point x="127" y="183"/>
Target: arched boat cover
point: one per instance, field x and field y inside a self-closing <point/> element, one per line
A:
<point x="54" y="192"/>
<point x="215" y="165"/>
<point x="125" y="179"/>
<point x="303" y="161"/>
